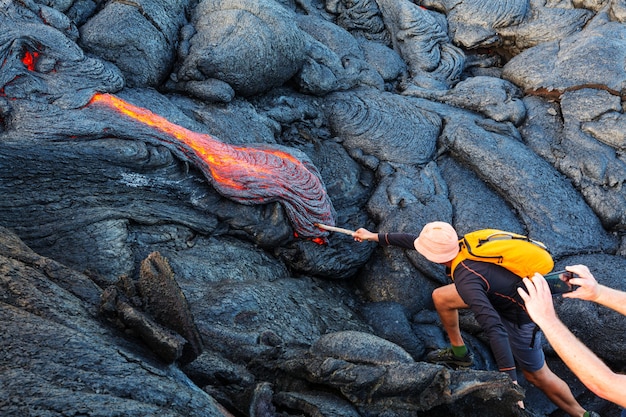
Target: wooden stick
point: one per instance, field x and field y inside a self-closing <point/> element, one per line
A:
<point x="335" y="229"/>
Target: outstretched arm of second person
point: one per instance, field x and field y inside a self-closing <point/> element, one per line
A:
<point x="590" y="369"/>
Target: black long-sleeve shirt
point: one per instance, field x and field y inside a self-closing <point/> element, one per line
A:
<point x="403" y="240"/>
<point x="490" y="291"/>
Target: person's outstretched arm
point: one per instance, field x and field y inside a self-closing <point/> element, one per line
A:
<point x="590" y="369"/>
<point x="402" y="240"/>
<point x="589" y="289"/>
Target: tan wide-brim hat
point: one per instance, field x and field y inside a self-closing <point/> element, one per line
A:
<point x="438" y="242"/>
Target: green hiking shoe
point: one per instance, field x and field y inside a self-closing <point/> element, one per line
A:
<point x="447" y="357"/>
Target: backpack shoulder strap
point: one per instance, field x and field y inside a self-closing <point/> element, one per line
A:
<point x="460" y="257"/>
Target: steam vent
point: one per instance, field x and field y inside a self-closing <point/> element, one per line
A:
<point x="181" y="179"/>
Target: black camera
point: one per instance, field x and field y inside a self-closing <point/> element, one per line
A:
<point x="559" y="281"/>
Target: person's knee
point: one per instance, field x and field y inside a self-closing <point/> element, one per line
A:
<point x="447" y="297"/>
<point x="435" y="293"/>
<point x="532" y="377"/>
<point x="438" y="296"/>
<point x="538" y="378"/>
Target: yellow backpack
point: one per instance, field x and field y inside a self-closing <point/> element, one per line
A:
<point x="517" y="253"/>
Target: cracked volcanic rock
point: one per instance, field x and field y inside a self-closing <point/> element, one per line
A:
<point x="145" y="272"/>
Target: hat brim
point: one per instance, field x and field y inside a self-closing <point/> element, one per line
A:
<point x="440" y="257"/>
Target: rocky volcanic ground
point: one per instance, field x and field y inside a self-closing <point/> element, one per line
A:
<point x="163" y="164"/>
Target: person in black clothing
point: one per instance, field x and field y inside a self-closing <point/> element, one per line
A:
<point x="490" y="291"/>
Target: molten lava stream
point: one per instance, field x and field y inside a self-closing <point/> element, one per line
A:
<point x="247" y="175"/>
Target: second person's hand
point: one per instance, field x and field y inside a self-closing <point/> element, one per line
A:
<point x="588" y="287"/>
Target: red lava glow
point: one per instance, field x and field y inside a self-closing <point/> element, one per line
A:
<point x="29" y="59"/>
<point x="319" y="240"/>
<point x="247" y="175"/>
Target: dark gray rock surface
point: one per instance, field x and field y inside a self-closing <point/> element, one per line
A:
<point x="60" y="357"/>
<point x="143" y="273"/>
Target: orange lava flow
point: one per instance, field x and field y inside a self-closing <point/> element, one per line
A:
<point x="248" y="175"/>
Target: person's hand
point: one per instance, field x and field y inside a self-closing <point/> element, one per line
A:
<point x="588" y="287"/>
<point x="520" y="403"/>
<point x="538" y="299"/>
<point x="363" y="234"/>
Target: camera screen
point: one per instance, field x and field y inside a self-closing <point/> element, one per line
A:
<point x="559" y="282"/>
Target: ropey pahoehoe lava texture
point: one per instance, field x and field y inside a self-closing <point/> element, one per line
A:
<point x="163" y="164"/>
<point x="248" y="175"/>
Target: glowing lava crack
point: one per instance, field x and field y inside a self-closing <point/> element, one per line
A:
<point x="247" y="175"/>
